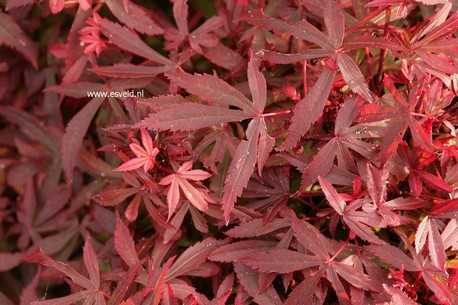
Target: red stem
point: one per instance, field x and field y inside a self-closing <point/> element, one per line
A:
<point x="163" y="168"/>
<point x="304" y="76"/>
<point x="340" y="249"/>
<point x="275" y="113"/>
<point x="368" y="60"/>
<point x="383" y="51"/>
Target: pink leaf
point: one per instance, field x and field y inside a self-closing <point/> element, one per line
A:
<point x="173" y="197"/>
<point x="131" y="71"/>
<point x="193" y="256"/>
<point x="304" y="292"/>
<point x="257" y="85"/>
<point x="160" y="283"/>
<point x="91" y="262"/>
<point x="309" y="109"/>
<point x="193" y="195"/>
<point x="352" y="76"/>
<point x="249" y="281"/>
<point x="301" y="29"/>
<point x="281" y="261"/>
<point x="211" y="88"/>
<point x="39" y="257"/>
<point x="135" y="17"/>
<point x="239" y="173"/>
<point x="124" y="244"/>
<point x="311" y="238"/>
<point x="114" y="197"/>
<point x="282" y="58"/>
<point x="85" y="4"/>
<point x="332" y="196"/>
<point x="321" y="164"/>
<point x="56" y="5"/>
<point x="393" y="256"/>
<point x="237" y="250"/>
<point x="435" y="182"/>
<point x="334" y="21"/>
<point x="74" y="134"/>
<point x="180" y="13"/>
<point x="265" y="145"/>
<point x="191" y="116"/>
<point x="256" y="227"/>
<point x="223" y="56"/>
<point x="129" y="41"/>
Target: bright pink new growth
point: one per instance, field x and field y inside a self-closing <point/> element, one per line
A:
<point x="91" y="35"/>
<point x="145" y="156"/>
<point x="85" y="4"/>
<point x="179" y="180"/>
<point x="56" y="5"/>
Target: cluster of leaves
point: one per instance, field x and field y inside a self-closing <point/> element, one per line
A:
<point x="281" y="152"/>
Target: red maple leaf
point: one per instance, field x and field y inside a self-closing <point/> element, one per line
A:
<point x="179" y="180"/>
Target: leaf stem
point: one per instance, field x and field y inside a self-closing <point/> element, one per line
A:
<point x="383" y="51"/>
<point x="368" y="60"/>
<point x="263" y="115"/>
<point x="163" y="168"/>
<point x="340" y="249"/>
<point x="304" y="77"/>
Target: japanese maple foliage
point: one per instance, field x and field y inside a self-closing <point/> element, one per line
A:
<point x="228" y="152"/>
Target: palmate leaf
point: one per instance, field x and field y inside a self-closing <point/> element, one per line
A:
<point x="220" y="96"/>
<point x="91" y="293"/>
<point x="179" y="181"/>
<point x="310" y="108"/>
<point x="200" y="37"/>
<point x="280" y="260"/>
<point x="249" y="281"/>
<point x="331" y="45"/>
<point x="346" y="139"/>
<point x="432" y="276"/>
<point x="359" y="222"/>
<point x="271" y="193"/>
<point x="428" y="230"/>
<point x="397" y="119"/>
